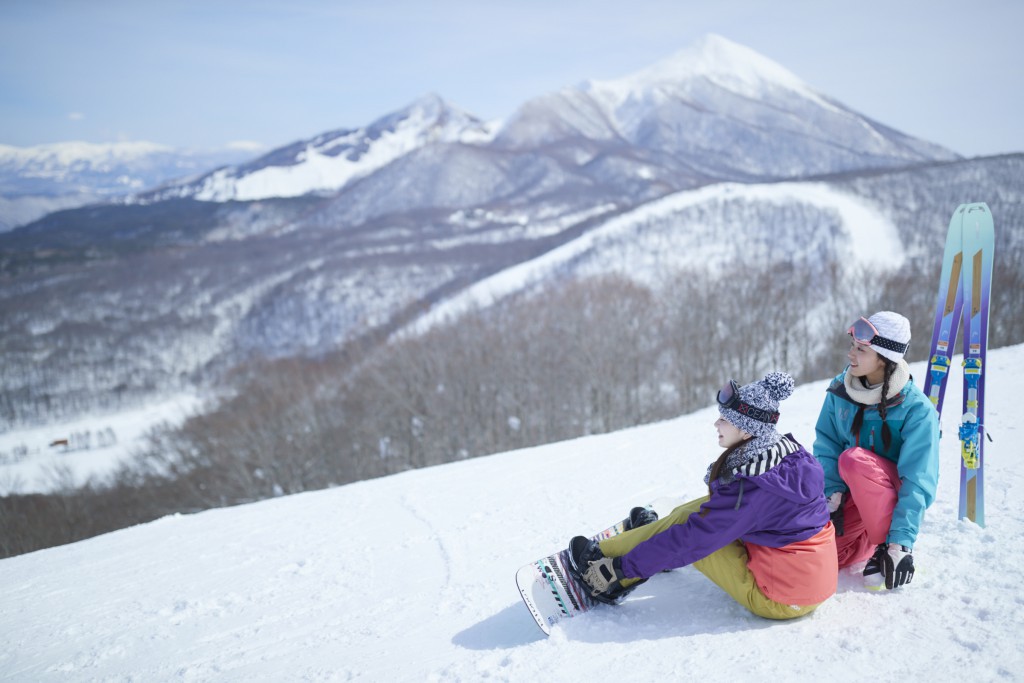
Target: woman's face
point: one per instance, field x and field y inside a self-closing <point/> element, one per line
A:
<point x="729" y="434"/>
<point x="865" y="362"/>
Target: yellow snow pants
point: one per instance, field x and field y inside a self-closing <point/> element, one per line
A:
<point x="727" y="566"/>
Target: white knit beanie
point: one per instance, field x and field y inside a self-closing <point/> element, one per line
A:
<point x="891" y="327"/>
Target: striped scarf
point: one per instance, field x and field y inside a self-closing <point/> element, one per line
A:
<point x="754" y="458"/>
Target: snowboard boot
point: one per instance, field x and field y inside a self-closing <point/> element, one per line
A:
<point x="874" y="579"/>
<point x="641" y="517"/>
<point x="582" y="552"/>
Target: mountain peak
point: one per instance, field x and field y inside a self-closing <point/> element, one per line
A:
<point x="431" y="111"/>
<point x="718" y="59"/>
<point x="329" y="161"/>
<point x="726" y="110"/>
<point x="430" y="103"/>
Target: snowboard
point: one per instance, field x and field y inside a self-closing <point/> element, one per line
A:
<point x="550" y="591"/>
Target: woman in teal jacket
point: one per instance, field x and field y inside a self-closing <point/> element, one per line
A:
<point x="880" y="457"/>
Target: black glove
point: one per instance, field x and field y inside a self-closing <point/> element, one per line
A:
<point x="835" y="510"/>
<point x="898" y="566"/>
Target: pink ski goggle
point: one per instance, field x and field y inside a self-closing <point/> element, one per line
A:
<point x="863" y="332"/>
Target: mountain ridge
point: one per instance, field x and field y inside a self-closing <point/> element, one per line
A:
<point x="35" y="181"/>
<point x="461" y="201"/>
<point x="712" y="88"/>
<point x="333" y="159"/>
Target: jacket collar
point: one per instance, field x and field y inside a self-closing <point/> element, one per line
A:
<point x="840" y="388"/>
<point x="768" y="458"/>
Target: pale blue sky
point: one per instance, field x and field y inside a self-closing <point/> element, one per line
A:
<point x="201" y="74"/>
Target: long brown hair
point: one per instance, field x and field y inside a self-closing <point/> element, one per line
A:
<point x="716" y="469"/>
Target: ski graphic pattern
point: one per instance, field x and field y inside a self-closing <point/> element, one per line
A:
<point x="550" y="591"/>
<point x="963" y="295"/>
<point x="948" y="307"/>
<point x="978" y="246"/>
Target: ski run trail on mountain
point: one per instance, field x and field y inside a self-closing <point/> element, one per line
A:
<point x="410" y="578"/>
<point x="870" y="236"/>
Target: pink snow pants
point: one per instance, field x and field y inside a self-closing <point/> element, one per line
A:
<point x="867" y="513"/>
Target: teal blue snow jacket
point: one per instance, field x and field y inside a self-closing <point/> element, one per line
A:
<point x="914" y="427"/>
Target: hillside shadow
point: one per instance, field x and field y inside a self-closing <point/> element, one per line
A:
<point x="511" y="627"/>
<point x="680" y="603"/>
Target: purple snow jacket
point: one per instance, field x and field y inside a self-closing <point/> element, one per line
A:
<point x="775" y="508"/>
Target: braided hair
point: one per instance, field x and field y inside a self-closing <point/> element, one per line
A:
<point x="890" y="368"/>
<point x="858" y="419"/>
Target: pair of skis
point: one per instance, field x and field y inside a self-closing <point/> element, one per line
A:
<point x="966" y="279"/>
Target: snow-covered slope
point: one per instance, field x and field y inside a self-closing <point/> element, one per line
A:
<point x="409" y="578"/>
<point x="709" y="228"/>
<point x="330" y="161"/>
<point x="34" y="459"/>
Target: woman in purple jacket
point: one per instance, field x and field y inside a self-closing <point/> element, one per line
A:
<point x="762" y="533"/>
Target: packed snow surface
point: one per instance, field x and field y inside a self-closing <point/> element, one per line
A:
<point x="410" y="578"/>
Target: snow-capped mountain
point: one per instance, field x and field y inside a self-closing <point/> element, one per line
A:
<point x="714" y="111"/>
<point x="44" y="178"/>
<point x="65" y="165"/>
<point x="330" y="161"/>
<point x="104" y="169"/>
<point x="355" y="233"/>
<point x="728" y="110"/>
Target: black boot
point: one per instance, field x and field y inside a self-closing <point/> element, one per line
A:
<point x="582" y="552"/>
<point x="641" y="517"/>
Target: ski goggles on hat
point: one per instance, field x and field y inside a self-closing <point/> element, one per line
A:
<point x="729" y="397"/>
<point x="863" y="332"/>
